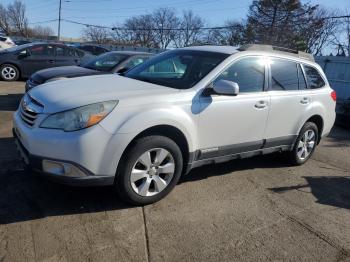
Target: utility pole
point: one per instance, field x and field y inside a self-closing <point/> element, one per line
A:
<point x="59" y="22"/>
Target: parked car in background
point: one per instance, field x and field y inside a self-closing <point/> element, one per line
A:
<point x="179" y="110"/>
<point x="107" y="63"/>
<point x="22" y="42"/>
<point x="343" y="113"/>
<point x="337" y="70"/>
<point x="4" y="46"/>
<point x="7" y="40"/>
<point x="23" y="61"/>
<point x="93" y="49"/>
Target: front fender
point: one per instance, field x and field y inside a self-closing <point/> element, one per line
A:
<point x="136" y="122"/>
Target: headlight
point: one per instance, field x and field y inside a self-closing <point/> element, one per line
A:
<point x="79" y="118"/>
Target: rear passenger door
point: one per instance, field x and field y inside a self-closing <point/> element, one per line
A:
<point x="288" y="102"/>
<point x="65" y="56"/>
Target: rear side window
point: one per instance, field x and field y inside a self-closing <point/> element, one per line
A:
<point x="284" y="75"/>
<point x="313" y="77"/>
<point x="248" y="73"/>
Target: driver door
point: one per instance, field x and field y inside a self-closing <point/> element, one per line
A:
<point x="235" y="124"/>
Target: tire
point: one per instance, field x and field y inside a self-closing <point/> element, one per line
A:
<point x="9" y="72"/>
<point x="302" y="151"/>
<point x="150" y="181"/>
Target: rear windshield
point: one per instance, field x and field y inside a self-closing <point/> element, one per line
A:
<point x="180" y="69"/>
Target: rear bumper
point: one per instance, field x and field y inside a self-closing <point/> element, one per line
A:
<point x="81" y="176"/>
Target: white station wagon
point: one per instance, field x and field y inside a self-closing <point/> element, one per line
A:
<point x="179" y="110"/>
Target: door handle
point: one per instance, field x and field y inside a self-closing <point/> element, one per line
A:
<point x="305" y="100"/>
<point x="51" y="61"/>
<point x="261" y="105"/>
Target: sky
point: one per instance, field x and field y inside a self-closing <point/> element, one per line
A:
<point x="111" y="12"/>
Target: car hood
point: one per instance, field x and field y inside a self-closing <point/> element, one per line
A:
<point x="42" y="76"/>
<point x="66" y="94"/>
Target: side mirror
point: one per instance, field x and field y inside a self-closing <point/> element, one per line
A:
<point x="225" y="87"/>
<point x="23" y="54"/>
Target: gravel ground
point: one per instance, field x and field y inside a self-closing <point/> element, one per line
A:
<point x="257" y="209"/>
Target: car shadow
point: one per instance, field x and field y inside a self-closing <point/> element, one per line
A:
<point x="328" y="190"/>
<point x="26" y="196"/>
<point x="266" y="161"/>
<point x="10" y="102"/>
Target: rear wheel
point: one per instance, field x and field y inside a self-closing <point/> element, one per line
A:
<point x="305" y="144"/>
<point x="149" y="170"/>
<point x="9" y="72"/>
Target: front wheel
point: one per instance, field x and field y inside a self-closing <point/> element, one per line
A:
<point x="305" y="144"/>
<point x="149" y="170"/>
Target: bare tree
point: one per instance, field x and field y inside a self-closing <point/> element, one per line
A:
<point x="42" y="32"/>
<point x="17" y="16"/>
<point x="139" y="30"/>
<point x="98" y="35"/>
<point x="341" y="37"/>
<point x="318" y="31"/>
<point x="166" y="22"/>
<point x="4" y="20"/>
<point x="233" y="34"/>
<point x="190" y="32"/>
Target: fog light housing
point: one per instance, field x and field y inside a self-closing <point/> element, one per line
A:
<point x="62" y="169"/>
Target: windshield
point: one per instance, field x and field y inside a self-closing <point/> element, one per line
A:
<point x="180" y="69"/>
<point x="105" y="62"/>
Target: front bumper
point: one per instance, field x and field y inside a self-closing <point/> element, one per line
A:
<point x="80" y="176"/>
<point x="74" y="158"/>
<point x="29" y="85"/>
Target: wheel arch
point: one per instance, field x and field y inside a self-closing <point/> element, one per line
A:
<point x="170" y="132"/>
<point x="319" y="122"/>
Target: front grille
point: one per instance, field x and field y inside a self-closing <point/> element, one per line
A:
<point x="29" y="110"/>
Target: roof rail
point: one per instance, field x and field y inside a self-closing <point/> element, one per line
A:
<point x="269" y="48"/>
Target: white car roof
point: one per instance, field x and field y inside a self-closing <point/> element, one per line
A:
<point x="212" y="48"/>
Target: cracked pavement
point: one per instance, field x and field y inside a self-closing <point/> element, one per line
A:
<point x="257" y="209"/>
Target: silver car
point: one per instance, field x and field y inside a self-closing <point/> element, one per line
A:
<point x="179" y="110"/>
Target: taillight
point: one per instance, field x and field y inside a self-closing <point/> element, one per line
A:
<point x="334" y="95"/>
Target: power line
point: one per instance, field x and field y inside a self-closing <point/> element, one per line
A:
<point x="337" y="17"/>
<point x="146" y="29"/>
<point x="44" y="22"/>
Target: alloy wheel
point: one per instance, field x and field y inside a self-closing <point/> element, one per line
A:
<point x="306" y="144"/>
<point x="152" y="172"/>
<point x="9" y="73"/>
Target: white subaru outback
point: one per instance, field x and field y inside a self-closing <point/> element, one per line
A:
<point x="181" y="109"/>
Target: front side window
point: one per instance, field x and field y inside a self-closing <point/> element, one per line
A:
<point x="284" y="75"/>
<point x="106" y="62"/>
<point x="248" y="73"/>
<point x="180" y="69"/>
<point x="313" y="77"/>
